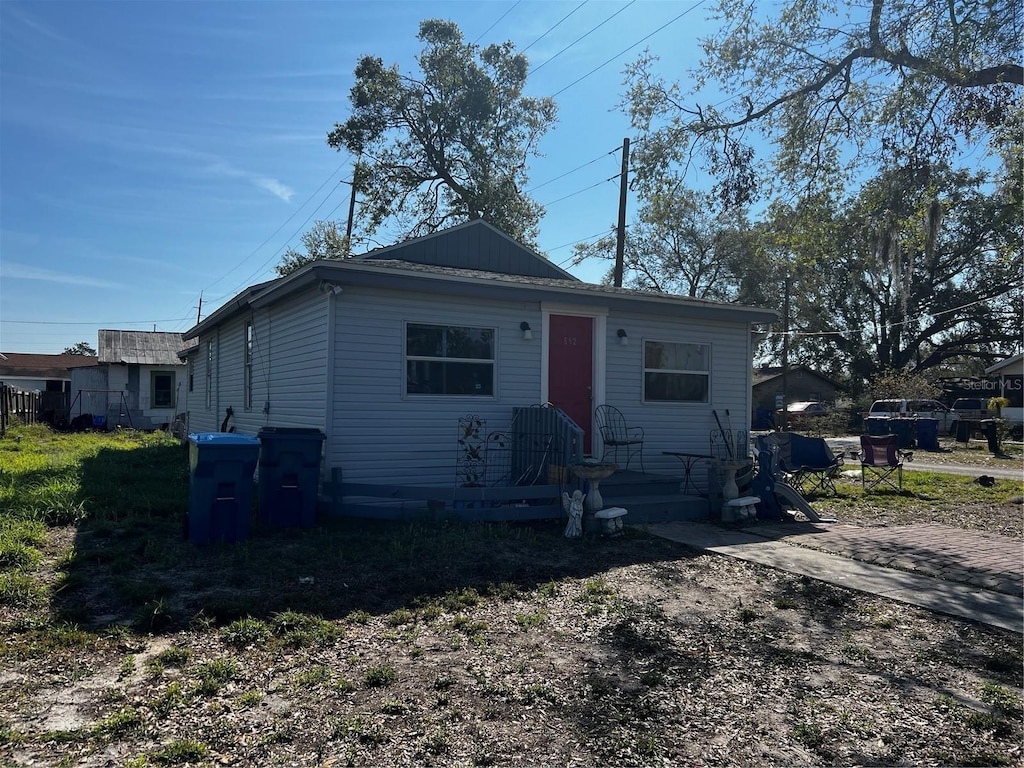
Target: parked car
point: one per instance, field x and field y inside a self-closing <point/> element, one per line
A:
<point x="971" y="408"/>
<point x="916" y="409"/>
<point x="802" y="412"/>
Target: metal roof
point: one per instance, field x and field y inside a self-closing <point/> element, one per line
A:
<point x="141" y="347"/>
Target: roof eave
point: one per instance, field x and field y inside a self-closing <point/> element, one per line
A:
<point x="363" y="273"/>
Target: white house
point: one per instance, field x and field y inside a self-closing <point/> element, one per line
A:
<point x="137" y="380"/>
<point x="385" y="353"/>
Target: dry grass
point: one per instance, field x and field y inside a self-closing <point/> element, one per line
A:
<point x="475" y="645"/>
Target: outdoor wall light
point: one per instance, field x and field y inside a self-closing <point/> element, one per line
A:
<point x="623" y="337"/>
<point x="525" y="328"/>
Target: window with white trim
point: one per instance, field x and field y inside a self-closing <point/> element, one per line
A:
<point x="247" y="370"/>
<point x="209" y="374"/>
<point x="449" y="360"/>
<point x="676" y="372"/>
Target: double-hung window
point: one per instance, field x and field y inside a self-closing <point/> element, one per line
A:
<point x="449" y="360"/>
<point x="677" y="372"/>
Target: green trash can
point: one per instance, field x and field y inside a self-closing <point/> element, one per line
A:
<point x="876" y="426"/>
<point x="990" y="429"/>
<point x="221" y="467"/>
<point x="928" y="434"/>
<point x="289" y="477"/>
<point x="903" y="428"/>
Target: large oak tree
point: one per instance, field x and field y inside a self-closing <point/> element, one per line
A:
<point x="834" y="88"/>
<point x="449" y="145"/>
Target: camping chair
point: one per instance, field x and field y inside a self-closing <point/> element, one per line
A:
<point x="881" y="461"/>
<point x="615" y="434"/>
<point x="816" y="464"/>
<point x="807" y="464"/>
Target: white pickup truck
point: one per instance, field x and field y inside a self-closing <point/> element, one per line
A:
<point x="916" y="409"/>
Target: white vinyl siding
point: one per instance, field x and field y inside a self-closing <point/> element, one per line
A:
<point x="380" y="435"/>
<point x="679" y="426"/>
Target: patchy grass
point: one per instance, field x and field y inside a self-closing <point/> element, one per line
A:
<point x="415" y="643"/>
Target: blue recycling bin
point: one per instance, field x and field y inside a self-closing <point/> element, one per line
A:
<point x="876" y="426"/>
<point x="221" y="467"/>
<point x="903" y="428"/>
<point x="289" y="478"/>
<point x="928" y="434"/>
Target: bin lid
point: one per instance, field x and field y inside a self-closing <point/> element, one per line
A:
<point x="299" y="432"/>
<point x="221" y="438"/>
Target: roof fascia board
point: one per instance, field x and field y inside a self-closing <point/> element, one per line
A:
<point x="367" y="275"/>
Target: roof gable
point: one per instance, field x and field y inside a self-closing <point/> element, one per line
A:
<point x="766" y="373"/>
<point x="474" y="245"/>
<point x="140" y="347"/>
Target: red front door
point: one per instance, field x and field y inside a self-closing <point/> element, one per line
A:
<point x="571" y="369"/>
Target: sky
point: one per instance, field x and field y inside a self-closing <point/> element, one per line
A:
<point x="155" y="152"/>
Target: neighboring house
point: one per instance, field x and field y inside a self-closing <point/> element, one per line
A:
<point x="385" y="353"/>
<point x="46" y="373"/>
<point x="1011" y="386"/>
<point x="49" y="374"/>
<point x="137" y="381"/>
<point x="802" y="385"/>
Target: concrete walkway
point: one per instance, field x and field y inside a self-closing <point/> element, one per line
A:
<point x="968" y="574"/>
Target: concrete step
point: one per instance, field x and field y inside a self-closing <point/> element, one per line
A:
<point x="649" y="508"/>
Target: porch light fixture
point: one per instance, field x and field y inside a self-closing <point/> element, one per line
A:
<point x="623" y="338"/>
<point x="525" y="328"/>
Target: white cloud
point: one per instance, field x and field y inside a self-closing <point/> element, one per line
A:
<point x="13" y="271"/>
<point x="275" y="187"/>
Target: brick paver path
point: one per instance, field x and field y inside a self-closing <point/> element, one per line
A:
<point x="985" y="560"/>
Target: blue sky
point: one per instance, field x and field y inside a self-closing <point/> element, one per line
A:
<point x="154" y="151"/>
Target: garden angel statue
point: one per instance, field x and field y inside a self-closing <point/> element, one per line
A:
<point x="573" y="506"/>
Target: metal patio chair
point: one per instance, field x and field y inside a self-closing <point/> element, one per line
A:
<point x="615" y="434"/>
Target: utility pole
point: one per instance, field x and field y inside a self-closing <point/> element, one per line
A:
<point x="352" y="205"/>
<point x="620" y="239"/>
<point x="199" y="311"/>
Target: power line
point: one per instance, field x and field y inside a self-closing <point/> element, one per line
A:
<point x="552" y="28"/>
<point x="578" y="39"/>
<point x="506" y="13"/>
<point x="577" y="168"/>
<point x="581" y="191"/>
<point x="631" y="47"/>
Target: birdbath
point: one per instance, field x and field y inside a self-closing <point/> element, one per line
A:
<point x="593" y="473"/>
<point x="729" y="488"/>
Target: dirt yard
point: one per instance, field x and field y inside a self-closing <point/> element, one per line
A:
<point x="499" y="645"/>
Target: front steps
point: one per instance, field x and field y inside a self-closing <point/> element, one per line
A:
<point x="651" y="498"/>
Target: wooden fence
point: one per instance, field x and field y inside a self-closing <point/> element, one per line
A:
<point x="18" y="405"/>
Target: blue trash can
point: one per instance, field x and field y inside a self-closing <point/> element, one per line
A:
<point x="903" y="428"/>
<point x="876" y="426"/>
<point x="289" y="475"/>
<point x="221" y="467"/>
<point x="928" y="434"/>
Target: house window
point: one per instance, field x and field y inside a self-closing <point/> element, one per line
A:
<point x="191" y="373"/>
<point x="209" y="374"/>
<point x="161" y="389"/>
<point x="676" y="372"/>
<point x="248" y="366"/>
<point x="449" y="360"/>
